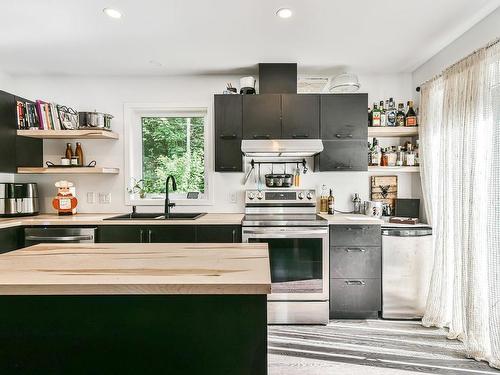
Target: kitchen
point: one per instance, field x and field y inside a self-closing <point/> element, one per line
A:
<point x="339" y="273"/>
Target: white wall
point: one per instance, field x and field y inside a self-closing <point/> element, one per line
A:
<point x="480" y="34"/>
<point x="108" y="94"/>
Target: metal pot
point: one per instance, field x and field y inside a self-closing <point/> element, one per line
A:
<point x="278" y="180"/>
<point x="94" y="120"/>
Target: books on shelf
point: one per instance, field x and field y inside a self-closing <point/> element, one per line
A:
<point x="39" y="115"/>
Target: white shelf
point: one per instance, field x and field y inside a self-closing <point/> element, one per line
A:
<point x="62" y="170"/>
<point x="392" y="131"/>
<point x="394" y="169"/>
<point x="68" y="134"/>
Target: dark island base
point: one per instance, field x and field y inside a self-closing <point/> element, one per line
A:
<point x="133" y="334"/>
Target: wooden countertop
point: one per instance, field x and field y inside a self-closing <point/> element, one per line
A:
<point x="91" y="269"/>
<point x="353" y="219"/>
<point x="98" y="219"/>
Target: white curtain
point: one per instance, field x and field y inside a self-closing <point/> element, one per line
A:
<point x="460" y="166"/>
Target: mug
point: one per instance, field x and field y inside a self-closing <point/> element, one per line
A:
<point x="373" y="209"/>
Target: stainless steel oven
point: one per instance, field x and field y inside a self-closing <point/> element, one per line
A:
<point x="298" y="251"/>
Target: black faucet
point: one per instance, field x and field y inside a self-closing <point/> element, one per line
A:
<point x="167" y="199"/>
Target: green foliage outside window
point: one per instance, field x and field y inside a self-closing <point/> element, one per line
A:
<point x="173" y="145"/>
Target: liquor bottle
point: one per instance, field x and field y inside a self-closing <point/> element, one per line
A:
<point x="69" y="151"/>
<point x="400" y="115"/>
<point x="323" y="205"/>
<point x="383" y="117"/>
<point x="79" y="153"/>
<point x="369" y="116"/>
<point x="417" y="160"/>
<point x="376" y="154"/>
<point x="375" y="115"/>
<point x="331" y="204"/>
<point x="356" y="202"/>
<point x="391" y="113"/>
<point x="411" y="116"/>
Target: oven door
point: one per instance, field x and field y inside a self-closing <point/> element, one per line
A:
<point x="298" y="258"/>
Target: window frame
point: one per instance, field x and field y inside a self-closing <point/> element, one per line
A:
<point x="133" y="114"/>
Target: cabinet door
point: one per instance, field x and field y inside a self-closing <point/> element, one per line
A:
<point x="8" y="127"/>
<point x="9" y="239"/>
<point x="171" y="233"/>
<point x="343" y="155"/>
<point x="262" y="116"/>
<point x="344" y="116"/>
<point x="355" y="235"/>
<point x="300" y="116"/>
<point x="218" y="233"/>
<point x="356" y="261"/>
<point x="228" y="133"/>
<point x="121" y="234"/>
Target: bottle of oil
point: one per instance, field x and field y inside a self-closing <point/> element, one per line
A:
<point x="69" y="151"/>
<point x="79" y="153"/>
<point x="323" y="202"/>
<point x="331" y="203"/>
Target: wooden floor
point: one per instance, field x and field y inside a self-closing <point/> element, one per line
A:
<point x="367" y="347"/>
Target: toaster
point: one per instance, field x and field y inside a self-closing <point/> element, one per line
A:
<point x="18" y="199"/>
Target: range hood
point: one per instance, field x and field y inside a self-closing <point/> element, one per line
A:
<point x="281" y="147"/>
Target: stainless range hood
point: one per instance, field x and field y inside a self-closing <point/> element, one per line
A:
<point x="281" y="147"/>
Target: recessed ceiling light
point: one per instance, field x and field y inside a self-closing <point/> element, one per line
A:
<point x="284" y="13"/>
<point x="113" y="13"/>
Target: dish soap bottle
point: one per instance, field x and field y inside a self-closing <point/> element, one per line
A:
<point x="331" y="204"/>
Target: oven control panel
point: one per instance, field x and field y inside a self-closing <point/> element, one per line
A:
<point x="280" y="196"/>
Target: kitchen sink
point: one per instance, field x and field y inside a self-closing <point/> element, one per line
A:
<point x="158" y="216"/>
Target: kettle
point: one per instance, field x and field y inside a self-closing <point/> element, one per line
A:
<point x="247" y="85"/>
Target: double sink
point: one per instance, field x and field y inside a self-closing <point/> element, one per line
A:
<point x="157" y="216"/>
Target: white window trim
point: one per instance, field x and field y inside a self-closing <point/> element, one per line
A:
<point x="133" y="148"/>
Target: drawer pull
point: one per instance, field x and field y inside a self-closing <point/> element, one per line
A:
<point x="340" y="136"/>
<point x="355" y="249"/>
<point x="355" y="282"/>
<point x="228" y="136"/>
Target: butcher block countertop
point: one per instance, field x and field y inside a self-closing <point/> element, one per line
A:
<point x="98" y="219"/>
<point x="97" y="269"/>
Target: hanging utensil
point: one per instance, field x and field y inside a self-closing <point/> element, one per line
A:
<point x="247" y="176"/>
<point x="259" y="186"/>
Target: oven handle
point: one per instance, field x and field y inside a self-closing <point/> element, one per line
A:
<point x="274" y="232"/>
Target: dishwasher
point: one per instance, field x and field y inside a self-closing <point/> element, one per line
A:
<point x="407" y="261"/>
<point x="33" y="236"/>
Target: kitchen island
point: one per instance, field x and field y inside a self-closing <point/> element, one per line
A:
<point x="134" y="309"/>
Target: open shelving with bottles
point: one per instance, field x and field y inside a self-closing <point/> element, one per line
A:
<point x="68" y="134"/>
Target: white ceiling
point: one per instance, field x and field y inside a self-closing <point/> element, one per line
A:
<point x="66" y="37"/>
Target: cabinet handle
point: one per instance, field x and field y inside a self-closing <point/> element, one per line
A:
<point x="343" y="136"/>
<point x="150" y="235"/>
<point x="355" y="249"/>
<point x="343" y="167"/>
<point x="225" y="168"/>
<point x="355" y="282"/>
<point x="300" y="136"/>
<point x="258" y="136"/>
<point x="357" y="228"/>
<point x="234" y="235"/>
<point x="228" y="136"/>
<point x="141" y="235"/>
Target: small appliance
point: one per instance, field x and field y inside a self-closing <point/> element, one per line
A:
<point x="18" y="199"/>
<point x="247" y="85"/>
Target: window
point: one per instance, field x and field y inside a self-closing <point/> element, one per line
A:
<point x="162" y="140"/>
<point x="173" y="146"/>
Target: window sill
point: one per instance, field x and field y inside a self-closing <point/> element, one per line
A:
<point x="161" y="202"/>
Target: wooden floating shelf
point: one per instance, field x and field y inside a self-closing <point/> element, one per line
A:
<point x="393" y="131"/>
<point x="68" y="134"/>
<point x="79" y="170"/>
<point x="394" y="169"/>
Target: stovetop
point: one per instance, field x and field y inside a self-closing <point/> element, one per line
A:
<point x="276" y="220"/>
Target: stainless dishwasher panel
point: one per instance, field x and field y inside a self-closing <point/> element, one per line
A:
<point x="407" y="260"/>
<point x="33" y="236"/>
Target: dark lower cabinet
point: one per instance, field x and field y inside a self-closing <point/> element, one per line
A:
<point x="355" y="271"/>
<point x="218" y="233"/>
<point x="228" y="133"/>
<point x="169" y="233"/>
<point x="262" y="116"/>
<point x="344" y="155"/>
<point x="10" y="239"/>
<point x="300" y="116"/>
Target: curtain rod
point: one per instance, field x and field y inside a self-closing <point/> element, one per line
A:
<point x="487" y="46"/>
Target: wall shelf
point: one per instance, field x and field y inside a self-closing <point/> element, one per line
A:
<point x="68" y="134"/>
<point x="392" y="131"/>
<point x="62" y="170"/>
<point x="394" y="169"/>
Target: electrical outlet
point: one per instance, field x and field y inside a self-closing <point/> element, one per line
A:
<point x="233" y="198"/>
<point x="90" y="197"/>
<point x="104" y="198"/>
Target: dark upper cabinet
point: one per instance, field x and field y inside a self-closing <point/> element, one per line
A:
<point x="218" y="233"/>
<point x="344" y="116"/>
<point x="300" y="116"/>
<point x="262" y="116"/>
<point x="16" y="151"/>
<point x="228" y="133"/>
<point x="342" y="155"/>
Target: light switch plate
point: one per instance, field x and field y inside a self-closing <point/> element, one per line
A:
<point x="104" y="198"/>
<point x="233" y="198"/>
<point x="90" y="197"/>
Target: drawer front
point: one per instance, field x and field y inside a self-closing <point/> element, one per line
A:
<point x="355" y="235"/>
<point x="356" y="261"/>
<point x="356" y="295"/>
